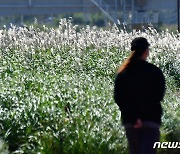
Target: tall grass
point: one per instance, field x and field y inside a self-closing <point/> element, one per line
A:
<point x="56" y="87"/>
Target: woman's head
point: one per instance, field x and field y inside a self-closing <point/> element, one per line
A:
<point x="140" y="47"/>
<point x="140" y="50"/>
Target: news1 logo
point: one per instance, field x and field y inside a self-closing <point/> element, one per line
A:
<point x="171" y="145"/>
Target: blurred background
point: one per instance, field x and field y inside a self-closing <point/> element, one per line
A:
<point x="161" y="14"/>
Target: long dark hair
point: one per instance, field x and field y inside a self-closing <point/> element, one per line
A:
<point x="138" y="47"/>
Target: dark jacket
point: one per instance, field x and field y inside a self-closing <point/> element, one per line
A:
<point x="138" y="91"/>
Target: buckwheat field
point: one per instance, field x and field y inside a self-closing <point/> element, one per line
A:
<point x="56" y="88"/>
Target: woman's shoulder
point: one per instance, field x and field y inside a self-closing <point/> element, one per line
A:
<point x="119" y="76"/>
<point x="153" y="68"/>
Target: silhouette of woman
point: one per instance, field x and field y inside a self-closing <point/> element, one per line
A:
<point x="139" y="88"/>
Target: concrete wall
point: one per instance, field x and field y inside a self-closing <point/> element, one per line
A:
<point x="155" y="4"/>
<point x="48" y="2"/>
<point x="166" y="8"/>
<point x="11" y="7"/>
<point x="8" y="7"/>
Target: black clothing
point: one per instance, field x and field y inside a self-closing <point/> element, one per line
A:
<point x="138" y="91"/>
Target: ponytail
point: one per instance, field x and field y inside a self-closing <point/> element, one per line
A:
<point x="127" y="62"/>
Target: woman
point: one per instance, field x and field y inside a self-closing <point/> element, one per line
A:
<point x="138" y="90"/>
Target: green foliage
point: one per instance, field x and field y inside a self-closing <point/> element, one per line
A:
<point x="57" y="96"/>
<point x="98" y="19"/>
<point x="3" y="147"/>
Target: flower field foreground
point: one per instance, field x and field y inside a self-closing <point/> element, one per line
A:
<point x="56" y="88"/>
